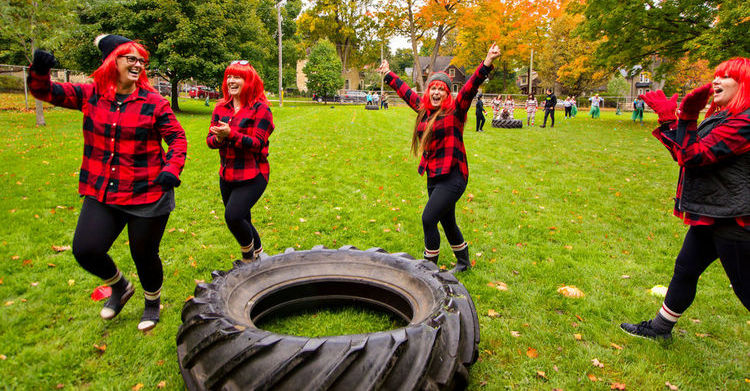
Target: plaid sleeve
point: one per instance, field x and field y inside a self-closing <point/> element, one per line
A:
<point x="409" y="96"/>
<point x="667" y="133"/>
<point x="66" y="95"/>
<point x="469" y="90"/>
<point x="730" y="138"/>
<point x="171" y="131"/>
<point x="258" y="138"/>
<point x="211" y="140"/>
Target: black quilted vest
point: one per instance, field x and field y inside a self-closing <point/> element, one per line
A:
<point x="721" y="189"/>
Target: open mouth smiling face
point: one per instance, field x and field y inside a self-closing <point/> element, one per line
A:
<point x="234" y="85"/>
<point x="437" y="94"/>
<point x="725" y="88"/>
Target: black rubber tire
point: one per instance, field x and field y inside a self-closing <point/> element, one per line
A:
<point x="507" y="123"/>
<point x="219" y="346"/>
<point x="372" y="107"/>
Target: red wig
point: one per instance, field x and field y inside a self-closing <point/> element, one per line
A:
<point x="737" y="68"/>
<point x="106" y="76"/>
<point x="252" y="88"/>
<point x="446" y="104"/>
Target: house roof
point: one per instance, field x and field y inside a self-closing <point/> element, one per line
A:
<point x="441" y="63"/>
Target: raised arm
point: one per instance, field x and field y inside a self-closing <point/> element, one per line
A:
<point x="469" y="90"/>
<point x="409" y="96"/>
<point x="67" y="95"/>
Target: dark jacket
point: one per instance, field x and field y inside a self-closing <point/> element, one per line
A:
<point x="550" y="101"/>
<point x="480" y="107"/>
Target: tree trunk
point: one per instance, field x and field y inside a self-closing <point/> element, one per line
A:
<point x="417" y="72"/>
<point x="39" y="108"/>
<point x="175" y="94"/>
<point x="441" y="32"/>
<point x="40" y="113"/>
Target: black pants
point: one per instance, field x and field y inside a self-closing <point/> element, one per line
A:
<point x="551" y="114"/>
<point x="702" y="245"/>
<point x="480" y="122"/>
<point x="98" y="227"/>
<point x="443" y="191"/>
<point x="567" y="111"/>
<point x="239" y="198"/>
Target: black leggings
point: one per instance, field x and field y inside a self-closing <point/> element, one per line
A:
<point x="701" y="247"/>
<point x="480" y="122"/>
<point x="443" y="191"/>
<point x="239" y="198"/>
<point x="567" y="111"/>
<point x="551" y="114"/>
<point x="98" y="227"/>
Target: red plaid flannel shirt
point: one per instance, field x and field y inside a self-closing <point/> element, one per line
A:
<point x="730" y="138"/>
<point x="446" y="149"/>
<point x="244" y="153"/>
<point x="122" y="151"/>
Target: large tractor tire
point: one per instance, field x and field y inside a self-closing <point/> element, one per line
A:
<point x="507" y="123"/>
<point x="372" y="107"/>
<point x="219" y="345"/>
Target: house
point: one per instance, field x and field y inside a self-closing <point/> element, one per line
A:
<point x="522" y="81"/>
<point x="640" y="81"/>
<point x="353" y="78"/>
<point x="443" y="63"/>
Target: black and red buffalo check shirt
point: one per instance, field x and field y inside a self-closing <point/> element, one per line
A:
<point x="729" y="138"/>
<point x="122" y="150"/>
<point x="446" y="150"/>
<point x="244" y="153"/>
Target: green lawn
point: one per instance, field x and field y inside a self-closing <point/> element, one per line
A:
<point x="587" y="203"/>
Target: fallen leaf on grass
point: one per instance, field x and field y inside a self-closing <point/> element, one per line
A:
<point x="60" y="386"/>
<point x="514" y="333"/>
<point x="71" y="282"/>
<point x="137" y="387"/>
<point x="3" y="357"/>
<point x="15" y="257"/>
<point x="592" y="377"/>
<point x="9" y="303"/>
<point x="160" y="362"/>
<point x="617" y="386"/>
<point x="532" y="353"/>
<point x="570" y="291"/>
<point x="51" y="265"/>
<point x="499" y="285"/>
<point x="616" y="346"/>
<point x="695" y="320"/>
<point x="493" y="314"/>
<point x="161" y="384"/>
<point x="702" y="335"/>
<point x="60" y="249"/>
<point x="671" y="386"/>
<point x="35" y="283"/>
<point x="27" y="262"/>
<point x="595" y="362"/>
<point x="578" y="337"/>
<point x="541" y="374"/>
<point x="625" y="276"/>
<point x="101" y="348"/>
<point x="1" y="281"/>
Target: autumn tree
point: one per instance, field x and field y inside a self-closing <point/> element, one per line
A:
<point x="687" y="74"/>
<point x="323" y="69"/>
<point x="401" y="16"/>
<point x="440" y="18"/>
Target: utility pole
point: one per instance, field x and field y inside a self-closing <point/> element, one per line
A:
<point x="278" y="18"/>
<point x="531" y="65"/>
<point x="382" y="79"/>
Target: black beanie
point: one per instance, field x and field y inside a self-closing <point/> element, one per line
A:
<point x="107" y="43"/>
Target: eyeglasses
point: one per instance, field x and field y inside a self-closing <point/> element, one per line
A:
<point x="241" y="62"/>
<point x="132" y="60"/>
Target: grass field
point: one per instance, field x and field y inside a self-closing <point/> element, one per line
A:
<point x="587" y="203"/>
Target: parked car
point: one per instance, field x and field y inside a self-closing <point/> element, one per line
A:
<point x="200" y="92"/>
<point x="325" y="98"/>
<point x="354" y="96"/>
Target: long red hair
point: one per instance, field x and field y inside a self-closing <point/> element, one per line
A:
<point x="420" y="143"/>
<point x="252" y="88"/>
<point x="737" y="68"/>
<point x="106" y="76"/>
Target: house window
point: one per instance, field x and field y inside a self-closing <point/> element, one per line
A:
<point x="524" y="80"/>
<point x="644" y="77"/>
<point x="640" y="91"/>
<point x="455" y="88"/>
<point x="452" y="72"/>
<point x="346" y="84"/>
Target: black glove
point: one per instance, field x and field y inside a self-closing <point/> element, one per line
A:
<point x="167" y="180"/>
<point x="43" y="62"/>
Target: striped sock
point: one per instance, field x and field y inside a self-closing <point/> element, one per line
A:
<point x="665" y="319"/>
<point x="151" y="309"/>
<point x="247" y="252"/>
<point x="115" y="279"/>
<point x="459" y="247"/>
<point x="431" y="255"/>
<point x="257" y="252"/>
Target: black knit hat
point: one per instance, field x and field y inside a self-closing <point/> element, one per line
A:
<point x="440" y="76"/>
<point x="107" y="43"/>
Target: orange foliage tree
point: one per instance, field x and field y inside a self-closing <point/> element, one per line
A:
<point x="688" y="74"/>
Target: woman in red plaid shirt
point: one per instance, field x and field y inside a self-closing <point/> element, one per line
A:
<point x="126" y="178"/>
<point x="240" y="127"/>
<point x="438" y="139"/>
<point x="713" y="191"/>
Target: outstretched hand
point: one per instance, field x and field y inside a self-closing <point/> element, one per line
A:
<point x="664" y="108"/>
<point x="43" y="61"/>
<point x="492" y="54"/>
<point x="384" y="68"/>
<point x="695" y="101"/>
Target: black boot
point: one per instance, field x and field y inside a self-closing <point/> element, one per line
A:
<point x="462" y="259"/>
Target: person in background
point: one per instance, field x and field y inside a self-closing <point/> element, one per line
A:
<point x="550" y="101"/>
<point x="384" y="101"/>
<point x="531" y="105"/>
<point x="638" y="106"/>
<point x="509" y="106"/>
<point x="125" y="179"/>
<point x="712" y="189"/>
<point x="437" y="138"/>
<point x="240" y="127"/>
<point x="376" y="99"/>
<point x="368" y="99"/>
<point x="596" y="101"/>
<point x="567" y="104"/>
<point x="573" y="107"/>
<point x="480" y="111"/>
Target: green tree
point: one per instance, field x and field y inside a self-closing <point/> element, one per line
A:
<point x="617" y="85"/>
<point x="638" y="32"/>
<point x="323" y="69"/>
<point x="291" y="50"/>
<point x="186" y="38"/>
<point x="26" y="25"/>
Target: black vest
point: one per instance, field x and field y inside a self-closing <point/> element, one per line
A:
<point x="721" y="189"/>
